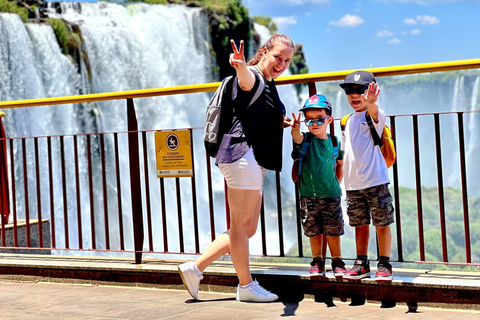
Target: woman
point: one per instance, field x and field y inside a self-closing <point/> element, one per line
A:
<point x="253" y="145"/>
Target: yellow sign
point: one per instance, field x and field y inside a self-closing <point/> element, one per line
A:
<point x="174" y="154"/>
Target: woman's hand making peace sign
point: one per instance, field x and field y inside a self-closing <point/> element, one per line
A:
<point x="237" y="58"/>
<point x="246" y="78"/>
<point x="295" y="123"/>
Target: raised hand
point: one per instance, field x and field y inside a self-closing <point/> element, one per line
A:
<point x="295" y="123"/>
<point x="370" y="96"/>
<point x="237" y="58"/>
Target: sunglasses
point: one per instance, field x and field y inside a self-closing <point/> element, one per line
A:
<point x="319" y="121"/>
<point x="357" y="90"/>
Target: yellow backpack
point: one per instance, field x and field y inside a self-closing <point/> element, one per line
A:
<point x="387" y="146"/>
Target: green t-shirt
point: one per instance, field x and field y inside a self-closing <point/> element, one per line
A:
<point x="318" y="177"/>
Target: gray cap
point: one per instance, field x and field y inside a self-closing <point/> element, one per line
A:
<point x="358" y="78"/>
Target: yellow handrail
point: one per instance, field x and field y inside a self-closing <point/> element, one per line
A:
<point x="300" y="78"/>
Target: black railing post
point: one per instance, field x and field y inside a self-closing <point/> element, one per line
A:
<point x="396" y="193"/>
<point x="441" y="197"/>
<point x="279" y="212"/>
<point x="463" y="171"/>
<point x="137" y="211"/>
<point x="418" y="181"/>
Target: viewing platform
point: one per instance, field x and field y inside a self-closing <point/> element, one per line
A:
<point x="96" y="193"/>
<point x="411" y="289"/>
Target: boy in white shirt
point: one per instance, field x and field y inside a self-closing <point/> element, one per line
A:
<point x="366" y="176"/>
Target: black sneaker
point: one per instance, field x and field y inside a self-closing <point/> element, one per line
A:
<point x="384" y="272"/>
<point x="338" y="268"/>
<point x="360" y="270"/>
<point x="317" y="268"/>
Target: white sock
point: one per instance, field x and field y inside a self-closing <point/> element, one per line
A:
<point x="197" y="271"/>
<point x="248" y="285"/>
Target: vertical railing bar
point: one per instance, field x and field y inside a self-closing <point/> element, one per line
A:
<point x="194" y="198"/>
<point x="210" y="197"/>
<point x="90" y="190"/>
<point x="135" y="183"/>
<point x="2" y="213"/>
<point x="5" y="197"/>
<point x="441" y="200"/>
<point x="164" y="214"/>
<point x="279" y="212"/>
<point x="421" y="239"/>
<point x="79" y="199"/>
<point x="39" y="194"/>
<point x="14" y="196"/>
<point x="52" y="195"/>
<point x="64" y="188"/>
<point x="397" y="195"/>
<point x="147" y="191"/>
<point x="105" y="191"/>
<point x="463" y="172"/>
<point x="25" y="187"/>
<point x="4" y="206"/>
<point x="263" y="230"/>
<point x="119" y="193"/>
<point x="179" y="215"/>
<point x="299" y="222"/>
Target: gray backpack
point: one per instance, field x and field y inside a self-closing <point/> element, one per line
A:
<point x="219" y="115"/>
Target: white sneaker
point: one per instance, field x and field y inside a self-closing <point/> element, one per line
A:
<point x="255" y="293"/>
<point x="191" y="277"/>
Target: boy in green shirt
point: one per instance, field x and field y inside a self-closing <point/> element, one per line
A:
<point x="319" y="184"/>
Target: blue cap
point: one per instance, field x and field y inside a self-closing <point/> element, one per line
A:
<point x="317" y="101"/>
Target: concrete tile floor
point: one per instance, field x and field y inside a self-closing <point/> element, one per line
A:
<point x="43" y="300"/>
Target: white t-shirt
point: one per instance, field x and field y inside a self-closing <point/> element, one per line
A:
<point x="363" y="162"/>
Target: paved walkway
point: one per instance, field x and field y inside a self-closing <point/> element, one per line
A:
<point x="42" y="300"/>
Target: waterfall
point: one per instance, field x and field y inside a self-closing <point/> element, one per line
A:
<point x="471" y="147"/>
<point x="472" y="137"/>
<point x="144" y="46"/>
<point x="129" y="47"/>
<point x="458" y="103"/>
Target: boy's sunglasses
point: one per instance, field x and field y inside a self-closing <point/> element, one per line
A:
<point x="357" y="90"/>
<point x="319" y="121"/>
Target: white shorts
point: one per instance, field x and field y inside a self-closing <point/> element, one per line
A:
<point x="245" y="173"/>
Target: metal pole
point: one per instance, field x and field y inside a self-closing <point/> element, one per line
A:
<point x="135" y="185"/>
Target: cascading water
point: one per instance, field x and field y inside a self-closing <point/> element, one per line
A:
<point x="471" y="149"/>
<point x="458" y="103"/>
<point x="134" y="47"/>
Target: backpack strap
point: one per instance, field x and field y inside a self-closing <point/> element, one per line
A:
<point x="334" y="145"/>
<point x="376" y="139"/>
<point x="261" y="86"/>
<point x="303" y="150"/>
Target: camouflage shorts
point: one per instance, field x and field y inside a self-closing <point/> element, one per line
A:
<point x="370" y="203"/>
<point x="321" y="216"/>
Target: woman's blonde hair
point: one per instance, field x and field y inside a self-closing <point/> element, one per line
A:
<point x="269" y="45"/>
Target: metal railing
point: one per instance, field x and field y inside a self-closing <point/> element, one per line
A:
<point x="87" y="204"/>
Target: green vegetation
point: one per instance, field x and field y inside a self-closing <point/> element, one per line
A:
<point x="12" y="7"/>
<point x="267" y="22"/>
<point x="154" y="1"/>
<point x="68" y="41"/>
<point x="299" y="65"/>
<point x="432" y="227"/>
